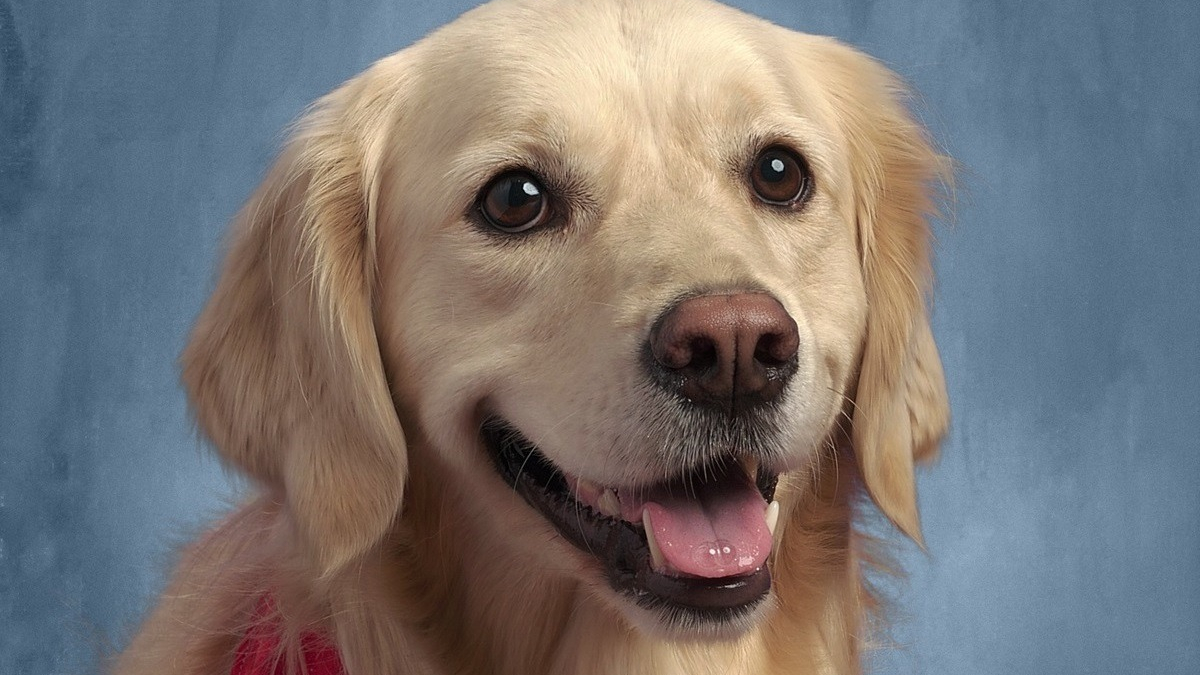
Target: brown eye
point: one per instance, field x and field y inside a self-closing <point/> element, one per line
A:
<point x="514" y="202"/>
<point x="780" y="176"/>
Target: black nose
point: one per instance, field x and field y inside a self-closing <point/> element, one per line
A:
<point x="729" y="352"/>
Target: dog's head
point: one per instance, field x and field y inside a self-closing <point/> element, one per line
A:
<point x="634" y="259"/>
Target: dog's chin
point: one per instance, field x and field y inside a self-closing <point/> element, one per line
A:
<point x="668" y="624"/>
<point x="718" y="594"/>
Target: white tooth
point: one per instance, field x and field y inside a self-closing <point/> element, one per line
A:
<point x="772" y="516"/>
<point x="609" y="504"/>
<point x="656" y="556"/>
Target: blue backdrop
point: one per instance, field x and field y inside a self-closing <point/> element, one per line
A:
<point x="1063" y="522"/>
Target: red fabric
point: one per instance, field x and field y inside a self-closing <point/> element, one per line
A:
<point x="259" y="654"/>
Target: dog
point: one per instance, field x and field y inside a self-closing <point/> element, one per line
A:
<point x="574" y="338"/>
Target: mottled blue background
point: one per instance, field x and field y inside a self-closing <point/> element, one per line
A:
<point x="1063" y="522"/>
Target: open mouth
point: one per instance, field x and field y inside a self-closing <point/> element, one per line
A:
<point x="694" y="546"/>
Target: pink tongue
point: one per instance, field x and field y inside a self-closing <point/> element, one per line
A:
<point x="716" y="529"/>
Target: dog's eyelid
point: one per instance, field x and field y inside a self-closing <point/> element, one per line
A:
<point x="758" y="140"/>
<point x="479" y="165"/>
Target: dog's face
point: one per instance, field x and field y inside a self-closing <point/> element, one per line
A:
<point x="640" y="275"/>
<point x="632" y="259"/>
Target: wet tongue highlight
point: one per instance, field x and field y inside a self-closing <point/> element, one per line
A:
<point x="715" y="529"/>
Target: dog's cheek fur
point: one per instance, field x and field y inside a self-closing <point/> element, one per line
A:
<point x="901" y="409"/>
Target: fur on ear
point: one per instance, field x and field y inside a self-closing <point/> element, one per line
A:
<point x="901" y="409"/>
<point x="283" y="368"/>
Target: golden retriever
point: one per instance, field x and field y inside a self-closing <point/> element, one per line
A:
<point x="566" y="341"/>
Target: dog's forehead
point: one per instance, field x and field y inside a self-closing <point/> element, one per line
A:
<point x="671" y="64"/>
<point x="594" y="30"/>
<point x="612" y="81"/>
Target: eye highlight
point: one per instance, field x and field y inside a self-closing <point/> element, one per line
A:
<point x="781" y="177"/>
<point x="514" y="202"/>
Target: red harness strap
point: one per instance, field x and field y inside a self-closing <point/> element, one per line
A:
<point x="259" y="654"/>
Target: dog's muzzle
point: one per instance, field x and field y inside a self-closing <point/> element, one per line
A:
<point x="693" y="543"/>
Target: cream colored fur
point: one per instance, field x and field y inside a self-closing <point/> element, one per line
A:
<point x="364" y="322"/>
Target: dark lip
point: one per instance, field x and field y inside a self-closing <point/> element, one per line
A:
<point x="620" y="546"/>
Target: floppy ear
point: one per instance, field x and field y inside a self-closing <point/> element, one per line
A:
<point x="283" y="368"/>
<point x="901" y="410"/>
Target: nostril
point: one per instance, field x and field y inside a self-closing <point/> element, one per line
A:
<point x="703" y="354"/>
<point x="685" y="352"/>
<point x="777" y="347"/>
<point x="768" y="352"/>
